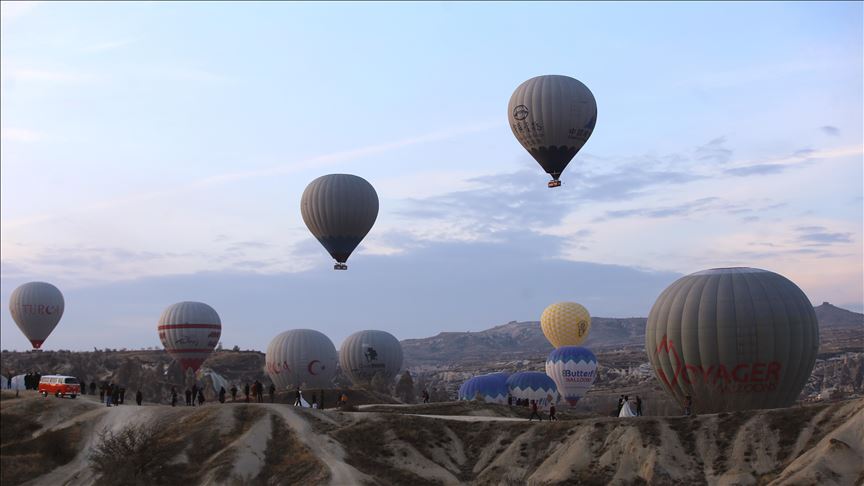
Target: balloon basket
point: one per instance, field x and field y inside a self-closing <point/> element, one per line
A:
<point x="554" y="183"/>
<point x="340" y="266"/>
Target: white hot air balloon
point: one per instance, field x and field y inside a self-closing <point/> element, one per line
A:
<point x="189" y="331"/>
<point x="365" y="354"/>
<point x="37" y="308"/>
<point x="301" y="357"/>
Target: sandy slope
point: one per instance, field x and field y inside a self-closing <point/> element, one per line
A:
<point x="821" y="444"/>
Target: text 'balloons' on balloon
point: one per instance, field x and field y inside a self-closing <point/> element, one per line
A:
<point x="189" y="331"/>
<point x="301" y="357"/>
<point x="733" y="339"/>
<point x="565" y="324"/>
<point x="533" y="385"/>
<point x="365" y="354"/>
<point x="36" y="308"/>
<point x="573" y="369"/>
<point x="552" y="116"/>
<point x="339" y="210"/>
<point x="491" y="388"/>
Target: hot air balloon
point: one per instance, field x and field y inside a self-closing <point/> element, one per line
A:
<point x="339" y="210"/>
<point x="733" y="339"/>
<point x="565" y="324"/>
<point x="365" y="354"/>
<point x="301" y="357"/>
<point x="491" y="388"/>
<point x="552" y="117"/>
<point x="37" y="308"/>
<point x="573" y="370"/>
<point x="189" y="331"/>
<point x="533" y="385"/>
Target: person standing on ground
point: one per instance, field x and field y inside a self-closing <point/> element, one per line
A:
<point x="194" y="393"/>
<point x="620" y="404"/>
<point x="259" y="392"/>
<point x="115" y="395"/>
<point x="534" y="412"/>
<point x="509" y="400"/>
<point x="246" y="391"/>
<point x="200" y="397"/>
<point x="93" y="388"/>
<point x="272" y="391"/>
<point x="688" y="405"/>
<point x="552" y="415"/>
<point x="638" y="406"/>
<point x="425" y="396"/>
<point x="173" y="396"/>
<point x="221" y="394"/>
<point x="102" y="393"/>
<point x="297" y="395"/>
<point x="233" y="392"/>
<point x="109" y="394"/>
<point x="314" y="401"/>
<point x="139" y="397"/>
<point x="122" y="394"/>
<point x="344" y="399"/>
<point x="188" y="397"/>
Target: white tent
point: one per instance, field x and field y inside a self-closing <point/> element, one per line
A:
<point x="626" y="411"/>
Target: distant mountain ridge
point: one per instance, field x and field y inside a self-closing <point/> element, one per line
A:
<point x="525" y="340"/>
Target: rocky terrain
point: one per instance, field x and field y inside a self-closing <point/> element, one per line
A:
<point x="57" y="441"/>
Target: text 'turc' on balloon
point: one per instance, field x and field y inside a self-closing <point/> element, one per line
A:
<point x="339" y="210"/>
<point x="552" y="116"/>
<point x="37" y="308"/>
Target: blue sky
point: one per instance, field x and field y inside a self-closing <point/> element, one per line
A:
<point x="156" y="152"/>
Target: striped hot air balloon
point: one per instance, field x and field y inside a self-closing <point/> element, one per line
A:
<point x="189" y="331"/>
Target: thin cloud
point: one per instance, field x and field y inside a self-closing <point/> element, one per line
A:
<point x="830" y="130"/>
<point x="58" y="76"/>
<point x="20" y="135"/>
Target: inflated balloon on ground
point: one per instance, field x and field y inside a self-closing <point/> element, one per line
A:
<point x="552" y="117"/>
<point x="573" y="369"/>
<point x="36" y="308"/>
<point x="565" y="324"/>
<point x="533" y="385"/>
<point x="301" y="357"/>
<point x="339" y="210"/>
<point x="365" y="354"/>
<point x="189" y="331"/>
<point x="733" y="339"/>
<point x="491" y="388"/>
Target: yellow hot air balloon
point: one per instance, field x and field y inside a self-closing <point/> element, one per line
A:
<point x="565" y="324"/>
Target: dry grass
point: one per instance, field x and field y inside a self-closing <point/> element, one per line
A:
<point x="26" y="459"/>
<point x="288" y="461"/>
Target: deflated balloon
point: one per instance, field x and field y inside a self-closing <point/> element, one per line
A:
<point x="565" y="324"/>
<point x="491" y="388"/>
<point x="573" y="369"/>
<point x="365" y="354"/>
<point x="301" y="357"/>
<point x="189" y="331"/>
<point x="552" y="117"/>
<point x="339" y="210"/>
<point x="733" y="339"/>
<point x="37" y="308"/>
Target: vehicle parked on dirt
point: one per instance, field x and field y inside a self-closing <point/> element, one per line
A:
<point x="59" y="386"/>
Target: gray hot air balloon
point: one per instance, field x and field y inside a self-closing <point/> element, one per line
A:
<point x="365" y="354"/>
<point x="189" y="331"/>
<point x="339" y="209"/>
<point x="552" y="117"/>
<point x="37" y="308"/>
<point x="301" y="357"/>
<point x="733" y="339"/>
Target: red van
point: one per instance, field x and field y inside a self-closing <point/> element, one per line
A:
<point x="59" y="386"/>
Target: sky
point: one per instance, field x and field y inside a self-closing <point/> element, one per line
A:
<point x="156" y="152"/>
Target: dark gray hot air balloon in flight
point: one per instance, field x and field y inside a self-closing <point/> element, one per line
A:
<point x="552" y="117"/>
<point x="365" y="354"/>
<point x="339" y="210"/>
<point x="37" y="308"/>
<point x="733" y="339"/>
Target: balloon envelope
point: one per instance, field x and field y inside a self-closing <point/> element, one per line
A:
<point x="37" y="308"/>
<point x="301" y="357"/>
<point x="189" y="331"/>
<point x="565" y="324"/>
<point x="573" y="369"/>
<point x="490" y="388"/>
<point x="733" y="339"/>
<point x="339" y="210"/>
<point x="365" y="354"/>
<point x="533" y="385"/>
<point x="552" y="117"/>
